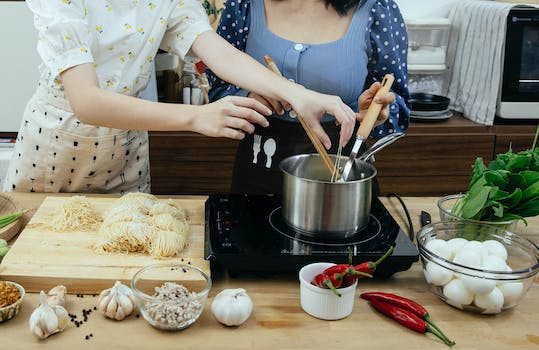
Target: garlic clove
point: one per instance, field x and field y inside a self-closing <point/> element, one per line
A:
<point x="102" y="303"/>
<point x="125" y="304"/>
<point x="116" y="302"/>
<point x="62" y="315"/>
<point x="123" y="289"/>
<point x="111" y="308"/>
<point x="47" y="319"/>
<point x="57" y="295"/>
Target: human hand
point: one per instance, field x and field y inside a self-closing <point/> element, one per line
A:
<point x="231" y="117"/>
<point x="271" y="103"/>
<point x="312" y="106"/>
<point x="365" y="99"/>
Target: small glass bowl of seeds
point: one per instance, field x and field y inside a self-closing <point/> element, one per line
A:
<point x="11" y="295"/>
<point x="171" y="296"/>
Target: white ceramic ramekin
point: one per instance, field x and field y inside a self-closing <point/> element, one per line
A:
<point x="320" y="302"/>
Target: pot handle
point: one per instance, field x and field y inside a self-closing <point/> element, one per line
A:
<point x="381" y="144"/>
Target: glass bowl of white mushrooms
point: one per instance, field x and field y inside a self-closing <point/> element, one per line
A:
<point x="171" y="296"/>
<point x="477" y="267"/>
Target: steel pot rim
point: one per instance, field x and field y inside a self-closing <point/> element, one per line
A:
<point x="316" y="155"/>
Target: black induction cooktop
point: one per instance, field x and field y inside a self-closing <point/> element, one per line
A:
<point x="247" y="233"/>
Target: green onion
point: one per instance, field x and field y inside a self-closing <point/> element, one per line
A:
<point x="9" y="218"/>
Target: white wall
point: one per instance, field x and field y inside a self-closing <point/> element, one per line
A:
<point x="425" y="8"/>
<point x="18" y="63"/>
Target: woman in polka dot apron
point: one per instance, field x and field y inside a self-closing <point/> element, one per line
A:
<point x="84" y="130"/>
<point x="337" y="47"/>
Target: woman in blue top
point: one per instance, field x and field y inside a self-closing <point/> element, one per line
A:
<point x="335" y="47"/>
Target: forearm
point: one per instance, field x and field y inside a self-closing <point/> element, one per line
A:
<point x="239" y="68"/>
<point x="95" y="106"/>
<point x="113" y="110"/>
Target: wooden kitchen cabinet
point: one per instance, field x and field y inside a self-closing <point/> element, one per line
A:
<point x="190" y="163"/>
<point x="433" y="159"/>
<point x="431" y="164"/>
<point x="518" y="137"/>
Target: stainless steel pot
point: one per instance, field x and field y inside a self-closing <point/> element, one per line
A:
<point x="318" y="207"/>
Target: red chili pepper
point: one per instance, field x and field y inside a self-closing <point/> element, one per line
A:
<point x="366" y="267"/>
<point x="403" y="303"/>
<point x="339" y="268"/>
<point x="407" y="319"/>
<point x="338" y="273"/>
<point x="323" y="281"/>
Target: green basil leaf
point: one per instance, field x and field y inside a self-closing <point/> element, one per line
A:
<point x="475" y="203"/>
<point x="512" y="200"/>
<point x="516" y="180"/>
<point x="498" y="195"/>
<point x="497" y="178"/>
<point x="532" y="192"/>
<point x="529" y="208"/>
<point x="510" y="217"/>
<point x="496" y="165"/>
<point x="498" y="209"/>
<point x="530" y="176"/>
<point x="534" y="163"/>
<point x="478" y="169"/>
<point x="520" y="162"/>
<point x="477" y="187"/>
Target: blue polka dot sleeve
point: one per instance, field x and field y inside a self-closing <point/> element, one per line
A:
<point x="388" y="51"/>
<point x="233" y="27"/>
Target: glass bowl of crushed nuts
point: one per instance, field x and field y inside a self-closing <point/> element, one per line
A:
<point x="11" y="295"/>
<point x="171" y="296"/>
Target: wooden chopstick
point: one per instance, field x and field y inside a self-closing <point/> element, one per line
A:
<point x="312" y="136"/>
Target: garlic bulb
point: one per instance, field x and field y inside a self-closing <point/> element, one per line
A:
<point x="57" y="295"/>
<point x="232" y="307"/>
<point x="48" y="318"/>
<point x="117" y="302"/>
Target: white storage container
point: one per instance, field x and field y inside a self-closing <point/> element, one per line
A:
<point x="432" y="80"/>
<point x="427" y="41"/>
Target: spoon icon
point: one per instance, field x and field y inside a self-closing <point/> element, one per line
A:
<point x="269" y="149"/>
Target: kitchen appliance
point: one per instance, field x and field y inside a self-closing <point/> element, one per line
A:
<point x="247" y="233"/>
<point x="519" y="98"/>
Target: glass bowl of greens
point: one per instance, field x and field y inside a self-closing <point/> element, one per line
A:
<point x="501" y="193"/>
<point x="448" y="205"/>
<point x="477" y="267"/>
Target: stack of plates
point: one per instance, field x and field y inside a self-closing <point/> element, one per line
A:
<point x="428" y="107"/>
<point x="441" y="115"/>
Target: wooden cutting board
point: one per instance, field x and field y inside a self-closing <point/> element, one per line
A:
<point x="41" y="258"/>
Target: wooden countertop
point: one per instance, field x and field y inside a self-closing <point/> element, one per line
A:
<point x="278" y="322"/>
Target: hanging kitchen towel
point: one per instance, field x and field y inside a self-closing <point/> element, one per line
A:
<point x="475" y="57"/>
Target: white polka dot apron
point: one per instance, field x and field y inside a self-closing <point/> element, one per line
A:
<point x="55" y="152"/>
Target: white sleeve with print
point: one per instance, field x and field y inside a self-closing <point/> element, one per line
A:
<point x="186" y="22"/>
<point x="64" y="39"/>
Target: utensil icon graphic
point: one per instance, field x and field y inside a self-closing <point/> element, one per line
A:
<point x="269" y="149"/>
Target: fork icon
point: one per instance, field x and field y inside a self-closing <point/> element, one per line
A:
<point x="257" y="141"/>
